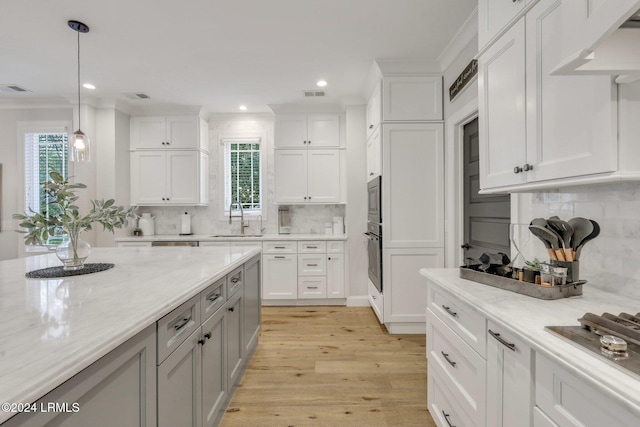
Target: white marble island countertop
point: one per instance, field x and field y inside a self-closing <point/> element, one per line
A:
<point x="527" y="317"/>
<point x="52" y="329"/>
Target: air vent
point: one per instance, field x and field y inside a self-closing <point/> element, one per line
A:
<point x="10" y="88"/>
<point x="138" y="95"/>
<point x="314" y="93"/>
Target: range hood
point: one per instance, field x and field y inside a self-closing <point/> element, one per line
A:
<point x="616" y="54"/>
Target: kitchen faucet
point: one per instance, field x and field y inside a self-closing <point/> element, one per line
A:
<point x="242" y="224"/>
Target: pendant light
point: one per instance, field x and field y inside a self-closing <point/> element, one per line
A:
<point x="80" y="145"/>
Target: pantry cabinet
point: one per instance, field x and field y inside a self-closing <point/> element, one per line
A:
<point x="307" y="131"/>
<point x="532" y="123"/>
<point x="411" y="98"/>
<point x="307" y="176"/>
<point x="374" y="110"/>
<point x="169" y="177"/>
<point x="495" y="15"/>
<point x="169" y="132"/>
<point x="374" y="155"/>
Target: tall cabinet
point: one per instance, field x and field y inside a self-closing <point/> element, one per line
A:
<point x="405" y="146"/>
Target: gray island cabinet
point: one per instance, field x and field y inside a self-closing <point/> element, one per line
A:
<point x="180" y="369"/>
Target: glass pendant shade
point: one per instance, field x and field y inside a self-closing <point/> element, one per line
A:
<point x="79" y="147"/>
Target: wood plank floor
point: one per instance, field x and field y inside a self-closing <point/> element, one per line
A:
<point x="331" y="366"/>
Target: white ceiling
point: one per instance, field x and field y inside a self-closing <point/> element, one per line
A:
<point x="217" y="54"/>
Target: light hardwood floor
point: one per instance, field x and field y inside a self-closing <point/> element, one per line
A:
<point x="331" y="366"/>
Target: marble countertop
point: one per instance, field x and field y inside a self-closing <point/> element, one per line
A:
<point x="248" y="237"/>
<point x="528" y="316"/>
<point x="52" y="329"/>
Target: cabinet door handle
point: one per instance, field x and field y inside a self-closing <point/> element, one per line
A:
<point x="502" y="341"/>
<point x="448" y="310"/>
<point x="182" y="324"/>
<point x="446" y="416"/>
<point x="446" y="357"/>
<point x="329" y="258"/>
<point x="231" y="309"/>
<point x="517" y="169"/>
<point x="370" y="126"/>
<point x="207" y="335"/>
<point x="308" y="142"/>
<point x="201" y="342"/>
<point x="527" y="167"/>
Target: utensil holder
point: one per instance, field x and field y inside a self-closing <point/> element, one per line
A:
<point x="573" y="269"/>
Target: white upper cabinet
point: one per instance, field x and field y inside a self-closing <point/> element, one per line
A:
<point x="494" y="16"/>
<point x="307" y="176"/>
<point x="307" y="130"/>
<point x="374" y="155"/>
<point x="169" y="132"/>
<point x="373" y="112"/>
<point x="406" y="98"/>
<point x="169" y="177"/>
<point x="537" y="128"/>
<point x="593" y="42"/>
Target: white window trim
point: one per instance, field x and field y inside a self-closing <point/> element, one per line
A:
<point x="23" y="129"/>
<point x="242" y="136"/>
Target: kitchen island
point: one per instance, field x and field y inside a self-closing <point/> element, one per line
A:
<point x="522" y="374"/>
<point x="51" y="330"/>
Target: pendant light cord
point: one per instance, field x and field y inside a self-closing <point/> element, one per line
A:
<point x="79" y="115"/>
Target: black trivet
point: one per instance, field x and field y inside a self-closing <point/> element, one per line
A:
<point x="51" y="272"/>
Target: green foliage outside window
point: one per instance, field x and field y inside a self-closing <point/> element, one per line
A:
<point x="245" y="174"/>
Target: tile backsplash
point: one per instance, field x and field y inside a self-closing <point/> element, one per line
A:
<point x="612" y="260"/>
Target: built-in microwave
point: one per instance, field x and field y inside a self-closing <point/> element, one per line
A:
<point x="374" y="211"/>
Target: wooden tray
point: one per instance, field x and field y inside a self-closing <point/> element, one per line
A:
<point x="524" y="288"/>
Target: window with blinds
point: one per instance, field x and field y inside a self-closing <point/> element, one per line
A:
<point x="243" y="175"/>
<point x="44" y="152"/>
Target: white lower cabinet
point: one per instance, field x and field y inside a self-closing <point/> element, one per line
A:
<point x="509" y="382"/>
<point x="443" y="406"/>
<point x="303" y="270"/>
<point x="569" y="401"/>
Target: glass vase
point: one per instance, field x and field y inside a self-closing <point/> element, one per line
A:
<point x="73" y="252"/>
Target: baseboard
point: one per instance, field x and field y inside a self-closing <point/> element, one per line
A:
<point x="303" y="302"/>
<point x="406" y="328"/>
<point x="358" y="301"/>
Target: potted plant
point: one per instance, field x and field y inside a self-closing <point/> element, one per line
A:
<point x="530" y="270"/>
<point x="66" y="216"/>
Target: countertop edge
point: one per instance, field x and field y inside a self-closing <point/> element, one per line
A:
<point x="247" y="238"/>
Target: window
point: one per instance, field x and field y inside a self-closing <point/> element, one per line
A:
<point x="44" y="152"/>
<point x="243" y="174"/>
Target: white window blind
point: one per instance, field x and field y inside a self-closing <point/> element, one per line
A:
<point x="243" y="174"/>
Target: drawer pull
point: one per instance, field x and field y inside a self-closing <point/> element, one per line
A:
<point x="312" y="287"/>
<point x="182" y="324"/>
<point x="312" y="247"/>
<point x="312" y="265"/>
<point x="279" y="247"/>
<point x="235" y="280"/>
<point x="446" y="418"/>
<point x="448" y="310"/>
<point x="501" y="340"/>
<point x="446" y="357"/>
<point x="279" y="257"/>
<point x="213" y="298"/>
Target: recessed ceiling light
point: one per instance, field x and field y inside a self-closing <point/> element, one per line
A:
<point x="321" y="83"/>
<point x="88" y="86"/>
<point x="243" y="107"/>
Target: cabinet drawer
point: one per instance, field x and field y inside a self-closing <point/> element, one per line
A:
<point x="465" y="322"/>
<point x="312" y="247"/>
<point x="335" y="247"/>
<point x="570" y="401"/>
<point x="176" y="326"/>
<point x="312" y="265"/>
<point x="212" y="298"/>
<point x="280" y="247"/>
<point x="312" y="287"/>
<point x="463" y="368"/>
<point x="442" y="406"/>
<point x="235" y="280"/>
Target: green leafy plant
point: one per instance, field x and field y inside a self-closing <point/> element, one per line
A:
<point x="65" y="214"/>
<point x="532" y="265"/>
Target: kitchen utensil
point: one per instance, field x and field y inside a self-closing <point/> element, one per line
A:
<point x="539" y="221"/>
<point x="565" y="231"/>
<point x="595" y="233"/>
<point x="560" y="255"/>
<point x="550" y="240"/>
<point x="582" y="228"/>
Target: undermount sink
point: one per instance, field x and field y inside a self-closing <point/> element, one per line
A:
<point x="237" y="235"/>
